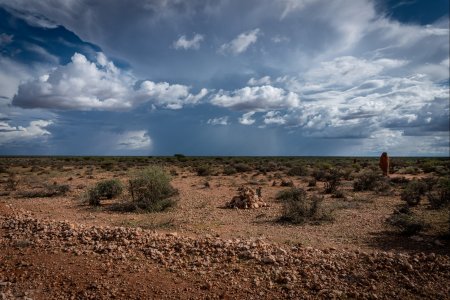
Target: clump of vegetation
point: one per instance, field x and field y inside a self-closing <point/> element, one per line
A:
<point x="312" y="182"/>
<point x="241" y="167"/>
<point x="439" y="196"/>
<point x="299" y="170"/>
<point x="367" y="181"/>
<point x="104" y="189"/>
<point x="332" y="181"/>
<point x="413" y="192"/>
<point x="298" y="209"/>
<point x="203" y="170"/>
<point x="180" y="157"/>
<point x="291" y="194"/>
<point x="11" y="182"/>
<point x="406" y="222"/>
<point x="383" y="187"/>
<point x="49" y="190"/>
<point x="151" y="190"/>
<point x="229" y="170"/>
<point x="289" y="183"/>
<point x="319" y="174"/>
<point x="338" y="194"/>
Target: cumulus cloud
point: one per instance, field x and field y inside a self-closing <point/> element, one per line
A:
<point x="261" y="81"/>
<point x="100" y="85"/>
<point x="258" y="98"/>
<point x="246" y="118"/>
<point x="185" y="43"/>
<point x="35" y="129"/>
<point x="219" y="121"/>
<point x="274" y="117"/>
<point x="241" y="42"/>
<point x="134" y="140"/>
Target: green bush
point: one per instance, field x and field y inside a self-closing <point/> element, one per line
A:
<point x="104" y="189"/>
<point x="367" y="181"/>
<point x="332" y="181"/>
<point x="109" y="188"/>
<point x="228" y="170"/>
<point x="151" y="190"/>
<point x="92" y="196"/>
<point x="413" y="192"/>
<point x="241" y="167"/>
<point x="298" y="209"/>
<point x="203" y="170"/>
<point x="297" y="171"/>
<point x="318" y="174"/>
<point x="406" y="222"/>
<point x="439" y="196"/>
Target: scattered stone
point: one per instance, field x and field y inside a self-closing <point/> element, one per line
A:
<point x="247" y="198"/>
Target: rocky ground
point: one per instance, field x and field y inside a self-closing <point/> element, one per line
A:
<point x="46" y="259"/>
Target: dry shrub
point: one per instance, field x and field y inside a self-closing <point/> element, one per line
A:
<point x="439" y="196"/>
<point x="104" y="189"/>
<point x="413" y="192"/>
<point x="299" y="209"/>
<point x="367" y="181"/>
<point x="49" y="190"/>
<point x="151" y="190"/>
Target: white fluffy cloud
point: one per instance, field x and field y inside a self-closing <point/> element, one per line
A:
<point x="261" y="81"/>
<point x="219" y="121"/>
<point x="241" y="42"/>
<point x="100" y="85"/>
<point x="35" y="129"/>
<point x="378" y="109"/>
<point x="185" y="43"/>
<point x="274" y="117"/>
<point x="246" y="118"/>
<point x="258" y="98"/>
<point x="134" y="140"/>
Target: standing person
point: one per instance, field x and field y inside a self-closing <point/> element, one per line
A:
<point x="384" y="163"/>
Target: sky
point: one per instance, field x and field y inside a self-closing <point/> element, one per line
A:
<point x="224" y="77"/>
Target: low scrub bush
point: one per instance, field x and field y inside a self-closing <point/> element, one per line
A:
<point x="319" y="174"/>
<point x="109" y="188"/>
<point x="203" y="170"/>
<point x="49" y="190"/>
<point x="229" y="170"/>
<point x="151" y="190"/>
<point x="289" y="183"/>
<point x="291" y="194"/>
<point x="299" y="209"/>
<point x="439" y="196"/>
<point x="413" y="192"/>
<point x="406" y="222"/>
<point x="367" y="181"/>
<point x="104" y="189"/>
<point x="241" y="167"/>
<point x="298" y="171"/>
<point x="312" y="182"/>
<point x="332" y="181"/>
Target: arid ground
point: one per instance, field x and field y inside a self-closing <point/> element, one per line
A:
<point x="368" y="236"/>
